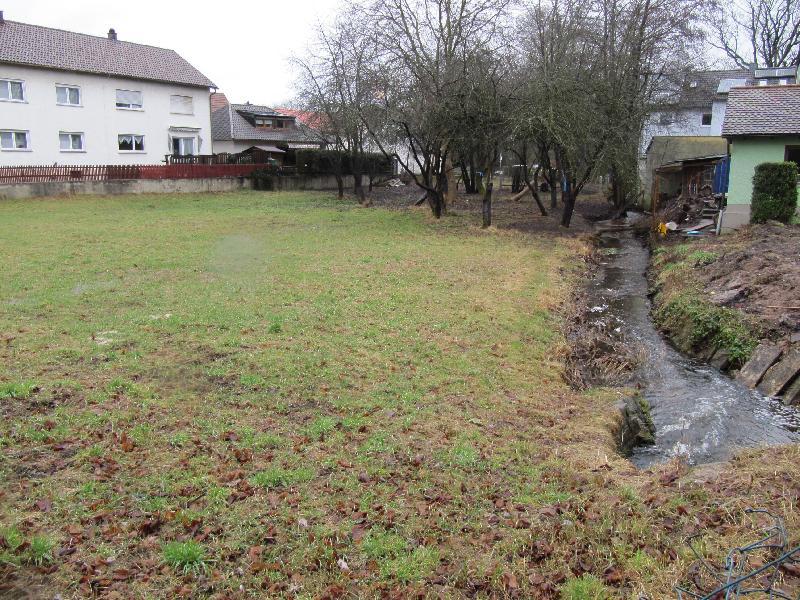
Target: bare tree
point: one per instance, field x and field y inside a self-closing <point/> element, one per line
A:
<point x="595" y="69"/>
<point x="336" y="82"/>
<point x="427" y="50"/>
<point x="763" y="33"/>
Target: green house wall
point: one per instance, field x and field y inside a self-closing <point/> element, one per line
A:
<point x="746" y="153"/>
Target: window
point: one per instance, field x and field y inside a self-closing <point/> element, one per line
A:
<point x="68" y="95"/>
<point x="181" y="105"/>
<point x="182" y="146"/>
<point x="666" y="118"/>
<point x="783" y="82"/>
<point x="792" y="155"/>
<point x="280" y="124"/>
<point x="705" y="119"/>
<point x="260" y="122"/>
<point x="762" y="82"/>
<point x="14" y="140"/>
<point x="693" y="84"/>
<point x="129" y="142"/>
<point x="70" y="142"/>
<point x="12" y="90"/>
<point x="129" y="99"/>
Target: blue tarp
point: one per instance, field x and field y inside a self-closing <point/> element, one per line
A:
<point x="722" y="171"/>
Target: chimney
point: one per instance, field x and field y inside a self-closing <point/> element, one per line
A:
<point x="112" y="35"/>
<point x="2" y="19"/>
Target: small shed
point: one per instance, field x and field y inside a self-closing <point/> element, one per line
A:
<point x="667" y="152"/>
<point x="762" y="124"/>
<point x="687" y="177"/>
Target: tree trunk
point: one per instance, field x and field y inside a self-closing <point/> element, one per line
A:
<point x="340" y="184"/>
<point x="436" y="202"/>
<point x="568" y="200"/>
<point x="553" y="189"/>
<point x="450" y="197"/>
<point x="535" y="192"/>
<point x="473" y="189"/>
<point x="487" y="205"/>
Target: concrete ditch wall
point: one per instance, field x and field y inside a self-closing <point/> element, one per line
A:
<point x="21" y="191"/>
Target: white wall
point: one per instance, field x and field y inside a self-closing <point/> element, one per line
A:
<point x="684" y="122"/>
<point x="97" y="118"/>
<point x="233" y="147"/>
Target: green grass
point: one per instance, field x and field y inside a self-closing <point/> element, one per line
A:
<point x="186" y="557"/>
<point x="278" y="477"/>
<point x="294" y="384"/>
<point x="586" y="587"/>
<point x="16" y="391"/>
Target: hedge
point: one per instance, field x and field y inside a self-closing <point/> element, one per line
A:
<point x="330" y="162"/>
<point x="774" y="192"/>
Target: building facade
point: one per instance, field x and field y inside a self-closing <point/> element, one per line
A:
<point x="68" y="98"/>
<point x="762" y="124"/>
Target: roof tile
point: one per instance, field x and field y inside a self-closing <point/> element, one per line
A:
<point x="38" y="46"/>
<point x="767" y="110"/>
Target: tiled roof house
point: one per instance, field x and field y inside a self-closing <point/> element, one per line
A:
<point x="239" y="127"/>
<point x="762" y="124"/>
<point x="73" y="98"/>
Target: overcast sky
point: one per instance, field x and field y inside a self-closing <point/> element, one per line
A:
<point x="243" y="47"/>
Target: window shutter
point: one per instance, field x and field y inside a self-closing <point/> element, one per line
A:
<point x="129" y="97"/>
<point x="182" y="105"/>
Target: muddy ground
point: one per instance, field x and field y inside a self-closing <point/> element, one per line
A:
<point x="755" y="270"/>
<point x="521" y="215"/>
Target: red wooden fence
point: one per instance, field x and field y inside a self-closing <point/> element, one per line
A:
<point x="116" y="172"/>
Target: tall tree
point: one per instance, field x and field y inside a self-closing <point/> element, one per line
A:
<point x="422" y="71"/>
<point x="336" y="82"/>
<point x="764" y="33"/>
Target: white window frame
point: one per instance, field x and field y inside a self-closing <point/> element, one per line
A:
<point x="8" y="81"/>
<point x="195" y="144"/>
<point x="134" y="135"/>
<point x="174" y="112"/>
<point x="27" y="133"/>
<point x="80" y="134"/>
<point x="129" y="105"/>
<point x="68" y="87"/>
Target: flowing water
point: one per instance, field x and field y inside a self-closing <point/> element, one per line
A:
<point x="698" y="411"/>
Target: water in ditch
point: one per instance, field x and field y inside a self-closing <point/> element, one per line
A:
<point x="698" y="412"/>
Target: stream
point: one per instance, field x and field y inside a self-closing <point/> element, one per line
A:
<point x="698" y="411"/>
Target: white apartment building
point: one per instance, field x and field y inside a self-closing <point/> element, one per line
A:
<point x="69" y="98"/>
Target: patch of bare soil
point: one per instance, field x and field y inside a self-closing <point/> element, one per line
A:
<point x="757" y="270"/>
<point x="520" y="215"/>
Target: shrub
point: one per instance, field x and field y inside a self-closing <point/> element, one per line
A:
<point x="774" y="192"/>
<point x="330" y="162"/>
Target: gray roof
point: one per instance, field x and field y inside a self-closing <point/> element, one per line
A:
<point x="37" y="46"/>
<point x="701" y="88"/>
<point x="228" y="123"/>
<point x="768" y="110"/>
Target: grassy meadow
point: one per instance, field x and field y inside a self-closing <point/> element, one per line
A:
<point x="286" y="395"/>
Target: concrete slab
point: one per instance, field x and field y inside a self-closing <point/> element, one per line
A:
<point x="777" y="378"/>
<point x="764" y="356"/>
